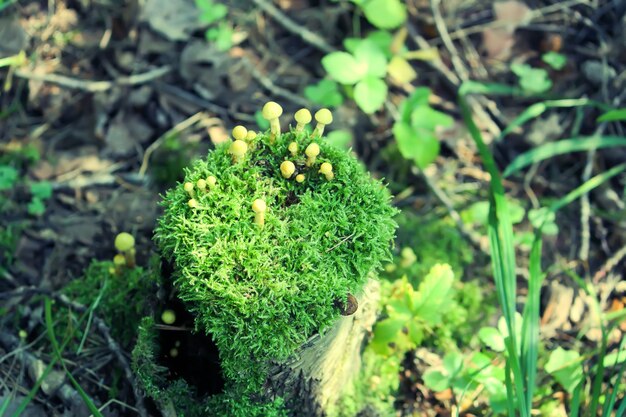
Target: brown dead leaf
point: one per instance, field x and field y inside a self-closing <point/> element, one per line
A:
<point x="125" y="132"/>
<point x="499" y="39"/>
<point x="512" y="14"/>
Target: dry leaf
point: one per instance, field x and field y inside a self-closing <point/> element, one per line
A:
<point x="512" y="14"/>
<point x="499" y="39"/>
<point x="174" y="19"/>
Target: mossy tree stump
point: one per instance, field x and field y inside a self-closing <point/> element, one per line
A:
<point x="269" y="237"/>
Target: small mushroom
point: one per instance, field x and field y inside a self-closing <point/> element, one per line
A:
<point x="311" y="152"/>
<point x="211" y="181"/>
<point x="125" y="244"/>
<point x="303" y="117"/>
<point x="119" y="261"/>
<point x="287" y="168"/>
<point x="188" y="187"/>
<point x="293" y="148"/>
<point x="259" y="207"/>
<point x="168" y="316"/>
<point x="240" y="132"/>
<point x="201" y="184"/>
<point x="323" y="117"/>
<point x="327" y="170"/>
<point x="271" y="112"/>
<point x="238" y="150"/>
<point x="193" y="203"/>
<point x="251" y="135"/>
<point x="300" y="178"/>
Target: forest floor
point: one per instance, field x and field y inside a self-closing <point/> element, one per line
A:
<point x="112" y="99"/>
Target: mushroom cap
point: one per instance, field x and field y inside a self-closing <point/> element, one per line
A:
<point x="193" y="203"/>
<point x="124" y="241"/>
<point x="201" y="184"/>
<point x="119" y="259"/>
<point x="240" y="132"/>
<point x="312" y="150"/>
<point x="326" y="168"/>
<point x="324" y="116"/>
<point x="188" y="187"/>
<point x="238" y="148"/>
<point x="303" y="116"/>
<point x="287" y="168"/>
<point x="250" y="135"/>
<point x="293" y="147"/>
<point x="300" y="178"/>
<point x="259" y="206"/>
<point x="272" y="110"/>
<point x="211" y="180"/>
<point x="168" y="316"/>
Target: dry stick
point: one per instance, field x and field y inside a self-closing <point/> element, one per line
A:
<point x="611" y="263"/>
<point x="94" y="86"/>
<point x="300" y="30"/>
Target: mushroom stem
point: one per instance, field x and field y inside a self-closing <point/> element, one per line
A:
<point x="323" y="117"/>
<point x="259" y="207"/>
<point x="311" y="152"/>
<point x="327" y="169"/>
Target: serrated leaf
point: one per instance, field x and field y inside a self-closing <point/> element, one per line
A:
<point x="492" y="338"/>
<point x="418" y="145"/>
<point x="344" y="68"/>
<point x="370" y="94"/>
<point x="385" y="14"/>
<point x="433" y="293"/>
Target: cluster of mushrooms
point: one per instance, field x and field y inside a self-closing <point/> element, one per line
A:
<point x="125" y="258"/>
<point x="241" y="143"/>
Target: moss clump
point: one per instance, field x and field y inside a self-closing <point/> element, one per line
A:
<point x="262" y="288"/>
<point x="112" y="291"/>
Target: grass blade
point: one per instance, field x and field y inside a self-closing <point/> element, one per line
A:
<point x="494" y="89"/>
<point x="575" y="403"/>
<point x="608" y="405"/>
<point x="57" y="352"/>
<point x="582" y="143"/>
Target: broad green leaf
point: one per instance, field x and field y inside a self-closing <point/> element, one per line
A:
<point x="492" y="338"/>
<point x="385" y="14"/>
<point x="8" y="177"/>
<point x="613" y="359"/>
<point x="426" y="117"/>
<point x="453" y="362"/>
<point x="616" y="115"/>
<point x="370" y="94"/>
<point x="344" y="68"/>
<point x="340" y="138"/>
<point x="436" y="380"/>
<point x="399" y="309"/>
<point x="383" y="40"/>
<point x="325" y="93"/>
<point x="555" y="60"/>
<point x="566" y="367"/>
<point x="433" y="293"/>
<point x="418" y="145"/>
<point x="385" y="332"/>
<point x="416" y="333"/>
<point x="418" y="97"/>
<point x="368" y="54"/>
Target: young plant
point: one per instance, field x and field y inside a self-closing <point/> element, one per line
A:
<point x="384" y="14"/>
<point x="270" y="254"/>
<point x="213" y="14"/>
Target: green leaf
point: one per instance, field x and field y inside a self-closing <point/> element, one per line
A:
<point x="383" y="40"/>
<point x="544" y="217"/>
<point x="367" y="53"/>
<point x="385" y="14"/>
<point x="428" y="118"/>
<point x="433" y="294"/>
<point x="492" y="338"/>
<point x="385" y="331"/>
<point x="615" y="115"/>
<point x="549" y="150"/>
<point x="419" y="97"/>
<point x="532" y="80"/>
<point x="556" y="60"/>
<point x="340" y="138"/>
<point x="614" y="359"/>
<point x="42" y="189"/>
<point x="344" y="68"/>
<point x="416" y="333"/>
<point x="36" y="207"/>
<point x="325" y="93"/>
<point x="8" y="177"/>
<point x="436" y="380"/>
<point x="370" y="94"/>
<point x="416" y="144"/>
<point x="453" y="363"/>
<point x="566" y="367"/>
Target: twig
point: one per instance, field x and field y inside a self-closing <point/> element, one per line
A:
<point x="269" y="85"/>
<point x="300" y="30"/>
<point x="94" y="86"/>
<point x="609" y="264"/>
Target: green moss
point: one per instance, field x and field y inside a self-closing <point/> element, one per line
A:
<point x="112" y="292"/>
<point x="262" y="292"/>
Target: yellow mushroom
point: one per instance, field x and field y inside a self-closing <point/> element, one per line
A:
<point x="303" y="117"/>
<point x="168" y="316"/>
<point x="125" y="244"/>
<point x="119" y="261"/>
<point x="311" y="152"/>
<point x="323" y="117"/>
<point x="193" y="203"/>
<point x="327" y="170"/>
<point x="189" y="188"/>
<point x="211" y="181"/>
<point x="271" y="112"/>
<point x="300" y="178"/>
<point x="250" y="135"/>
<point x="238" y="150"/>
<point x="239" y="132"/>
<point x="287" y="168"/>
<point x="293" y="148"/>
<point x="201" y="184"/>
<point x="259" y="207"/>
